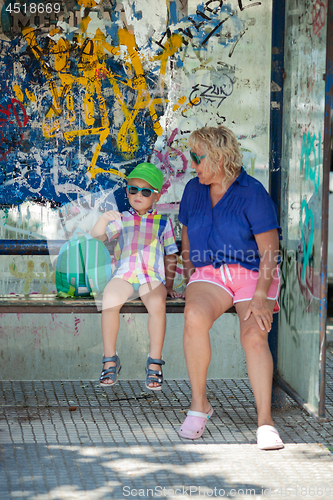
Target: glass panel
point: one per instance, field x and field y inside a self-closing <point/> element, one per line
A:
<point x="83" y="102"/>
<point x="301" y="200"/>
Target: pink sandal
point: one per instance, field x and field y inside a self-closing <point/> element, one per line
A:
<point x="194" y="424"/>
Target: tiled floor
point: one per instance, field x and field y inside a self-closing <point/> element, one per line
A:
<point x="75" y="440"/>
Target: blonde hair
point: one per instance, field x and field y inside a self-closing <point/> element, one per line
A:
<point x="219" y="143"/>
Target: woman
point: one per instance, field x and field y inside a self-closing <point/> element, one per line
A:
<point x="230" y="246"/>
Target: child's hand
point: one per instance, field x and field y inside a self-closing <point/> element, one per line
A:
<point x="174" y="294"/>
<point x="111" y="215"/>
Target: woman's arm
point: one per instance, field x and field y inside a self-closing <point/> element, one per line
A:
<point x="268" y="245"/>
<point x="187" y="264"/>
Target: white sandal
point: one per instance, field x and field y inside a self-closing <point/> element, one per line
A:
<point x="268" y="438"/>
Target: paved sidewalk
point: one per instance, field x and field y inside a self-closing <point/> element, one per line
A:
<point x="75" y="440"/>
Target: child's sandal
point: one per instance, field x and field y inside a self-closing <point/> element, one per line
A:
<point x="153" y="375"/>
<point x="110" y="373"/>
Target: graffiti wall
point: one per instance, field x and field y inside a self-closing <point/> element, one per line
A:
<point x="304" y="95"/>
<point x="91" y="88"/>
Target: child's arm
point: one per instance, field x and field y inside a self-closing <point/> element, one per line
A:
<point x="98" y="231"/>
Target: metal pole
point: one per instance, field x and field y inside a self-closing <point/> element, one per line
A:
<point x="276" y="115"/>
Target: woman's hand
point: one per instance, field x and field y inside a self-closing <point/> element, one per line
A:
<point x="261" y="312"/>
<point x="268" y="245"/>
<point x="111" y="215"/>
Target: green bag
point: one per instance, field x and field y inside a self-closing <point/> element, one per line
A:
<point x="83" y="267"/>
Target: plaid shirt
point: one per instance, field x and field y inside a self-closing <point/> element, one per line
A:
<point x="143" y="240"/>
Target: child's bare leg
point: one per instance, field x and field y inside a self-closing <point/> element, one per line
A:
<point x="153" y="295"/>
<point x="116" y="292"/>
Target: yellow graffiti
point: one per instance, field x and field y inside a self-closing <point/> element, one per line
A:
<point x="29" y="35"/>
<point x="61" y="52"/>
<point x="18" y="93"/>
<point x="87" y="3"/>
<point x="143" y="99"/>
<point x="191" y="103"/>
<point x="179" y="103"/>
<point x="30" y="96"/>
<point x="127" y="139"/>
<point x="170" y="48"/>
<point x="50" y="130"/>
<point x="92" y="68"/>
<point x="70" y="115"/>
<point x="30" y="275"/>
<point x="168" y="11"/>
<point x="188" y="106"/>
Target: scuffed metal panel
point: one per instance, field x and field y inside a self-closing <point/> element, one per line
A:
<point x="90" y="91"/>
<point x="302" y="197"/>
<point x="69" y="347"/>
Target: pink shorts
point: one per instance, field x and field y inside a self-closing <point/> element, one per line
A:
<point x="238" y="281"/>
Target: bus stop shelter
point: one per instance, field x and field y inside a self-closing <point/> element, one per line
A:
<point x="90" y="89"/>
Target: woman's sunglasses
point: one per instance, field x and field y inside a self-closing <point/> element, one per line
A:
<point x="196" y="158"/>
<point x="146" y="192"/>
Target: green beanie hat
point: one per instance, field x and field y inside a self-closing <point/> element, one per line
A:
<point x="149" y="173"/>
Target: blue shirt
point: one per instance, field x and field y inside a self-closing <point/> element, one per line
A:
<point x="225" y="233"/>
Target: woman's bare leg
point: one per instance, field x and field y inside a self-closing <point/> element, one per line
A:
<point x="205" y="302"/>
<point x="259" y="361"/>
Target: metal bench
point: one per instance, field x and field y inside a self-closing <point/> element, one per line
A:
<point x="49" y="303"/>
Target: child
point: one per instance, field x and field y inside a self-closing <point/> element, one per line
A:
<point x="146" y="247"/>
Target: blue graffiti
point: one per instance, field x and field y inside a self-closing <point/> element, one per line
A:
<point x="311" y="158"/>
<point x="307" y="215"/>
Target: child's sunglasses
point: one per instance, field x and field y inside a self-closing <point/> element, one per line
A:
<point x="146" y="192"/>
<point x="196" y="158"/>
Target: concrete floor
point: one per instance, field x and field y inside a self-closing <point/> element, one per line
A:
<point x="75" y="440"/>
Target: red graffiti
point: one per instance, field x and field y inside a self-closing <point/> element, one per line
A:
<point x="166" y="164"/>
<point x="15" y="114"/>
<point x="101" y="73"/>
<point x="7" y="112"/>
<point x="76" y="328"/>
<point x="318" y="17"/>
